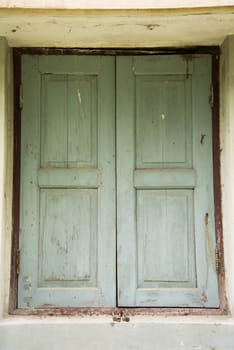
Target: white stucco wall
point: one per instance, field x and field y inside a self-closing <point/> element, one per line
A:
<point x="6" y="164"/>
<point x="97" y="4"/>
<point x="164" y="333"/>
<point x="2" y="165"/>
<point x="101" y="333"/>
<point x="227" y="160"/>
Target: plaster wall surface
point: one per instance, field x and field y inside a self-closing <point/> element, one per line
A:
<point x="227" y="160"/>
<point x="136" y="4"/>
<point x="164" y="333"/>
<point x="6" y="124"/>
<point x="2" y="165"/>
<point x="97" y="29"/>
<point x="139" y="334"/>
<point x="6" y="164"/>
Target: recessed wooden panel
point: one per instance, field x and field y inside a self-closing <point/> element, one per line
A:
<point x="82" y="118"/>
<point x="163" y="121"/>
<point x="53" y="120"/>
<point x="68" y="121"/>
<point x="174" y="120"/>
<point x="148" y="124"/>
<point x="68" y="235"/>
<point x="165" y="239"/>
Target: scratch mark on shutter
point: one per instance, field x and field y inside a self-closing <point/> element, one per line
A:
<point x="79" y="96"/>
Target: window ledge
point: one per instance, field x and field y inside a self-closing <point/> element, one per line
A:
<point x="98" y="332"/>
<point x="105" y="319"/>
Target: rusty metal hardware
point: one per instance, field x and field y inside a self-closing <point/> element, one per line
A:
<point x="120" y="316"/>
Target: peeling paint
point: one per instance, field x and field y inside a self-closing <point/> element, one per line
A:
<point x="208" y="241"/>
<point x="209" y="254"/>
<point x="204" y="297"/>
<point x="79" y="96"/>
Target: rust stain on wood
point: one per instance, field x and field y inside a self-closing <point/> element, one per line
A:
<point x="16" y="182"/>
<point x="208" y="242"/>
<point x="51" y="310"/>
<point x="208" y="247"/>
<point x="204" y="297"/>
<point x="216" y="171"/>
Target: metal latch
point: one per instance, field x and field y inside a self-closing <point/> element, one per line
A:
<point x="120" y="315"/>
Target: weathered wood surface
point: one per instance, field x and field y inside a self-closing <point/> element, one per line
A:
<point x="67" y="233"/>
<point x="166" y="237"/>
<point x="165" y="216"/>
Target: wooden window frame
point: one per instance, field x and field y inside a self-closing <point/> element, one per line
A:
<point x="118" y="313"/>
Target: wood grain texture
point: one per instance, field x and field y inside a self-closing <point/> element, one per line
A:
<point x="165" y="215"/>
<point x="67" y="222"/>
<point x="68" y="238"/>
<point x="165" y="241"/>
<point x="170" y="150"/>
<point x="163" y="120"/>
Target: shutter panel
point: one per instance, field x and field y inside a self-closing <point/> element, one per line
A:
<point x="166" y="238"/>
<point x="67" y="237"/>
<point x="165" y="214"/>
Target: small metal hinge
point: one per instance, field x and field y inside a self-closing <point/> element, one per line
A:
<point x="219" y="258"/>
<point x="211" y="97"/>
<point x="18" y="261"/>
<point x="21" y="101"/>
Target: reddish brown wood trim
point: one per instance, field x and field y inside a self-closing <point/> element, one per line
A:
<point x="212" y="50"/>
<point x="217" y="181"/>
<point x="16" y="182"/>
<point x="68" y="311"/>
<point x="54" y="311"/>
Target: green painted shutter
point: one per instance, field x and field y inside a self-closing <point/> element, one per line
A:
<point x="67" y="230"/>
<point x="165" y="214"/>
